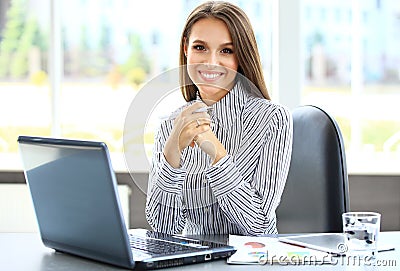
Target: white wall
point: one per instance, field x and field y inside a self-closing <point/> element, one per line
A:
<point x="17" y="213"/>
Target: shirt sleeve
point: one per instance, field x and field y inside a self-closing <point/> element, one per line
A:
<point x="251" y="202"/>
<point x="164" y="207"/>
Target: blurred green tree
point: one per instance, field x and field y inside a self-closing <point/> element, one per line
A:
<point x="21" y="34"/>
<point x="138" y="63"/>
<point x="11" y="34"/>
<point x="19" y="64"/>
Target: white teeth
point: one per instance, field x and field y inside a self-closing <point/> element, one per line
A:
<point x="210" y="75"/>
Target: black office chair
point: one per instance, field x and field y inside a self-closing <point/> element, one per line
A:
<point x="316" y="192"/>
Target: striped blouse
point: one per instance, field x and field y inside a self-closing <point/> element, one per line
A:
<point x="240" y="193"/>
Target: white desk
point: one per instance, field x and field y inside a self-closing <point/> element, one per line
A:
<point x="25" y="251"/>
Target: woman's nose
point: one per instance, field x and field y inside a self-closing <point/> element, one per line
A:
<point x="212" y="59"/>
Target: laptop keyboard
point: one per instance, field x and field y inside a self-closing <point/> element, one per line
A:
<point x="159" y="247"/>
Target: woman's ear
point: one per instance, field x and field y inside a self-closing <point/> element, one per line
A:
<point x="185" y="46"/>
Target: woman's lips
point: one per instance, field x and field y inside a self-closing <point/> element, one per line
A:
<point x="210" y="76"/>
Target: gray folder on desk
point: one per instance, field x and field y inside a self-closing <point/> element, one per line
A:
<point x="333" y="243"/>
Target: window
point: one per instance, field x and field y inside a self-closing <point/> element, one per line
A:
<point x="24" y="80"/>
<point x="107" y="51"/>
<point x="350" y="63"/>
<point x="352" y="70"/>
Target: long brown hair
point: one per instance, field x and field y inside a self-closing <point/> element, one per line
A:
<point x="244" y="43"/>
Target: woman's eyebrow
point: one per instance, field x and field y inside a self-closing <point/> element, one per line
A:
<point x="229" y="43"/>
<point x="199" y="41"/>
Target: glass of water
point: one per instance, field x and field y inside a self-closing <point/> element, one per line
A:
<point x="361" y="231"/>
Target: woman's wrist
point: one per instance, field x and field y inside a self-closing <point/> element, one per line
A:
<point x="221" y="153"/>
<point x="210" y="144"/>
<point x="172" y="154"/>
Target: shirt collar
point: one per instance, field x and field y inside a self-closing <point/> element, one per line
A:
<point x="227" y="110"/>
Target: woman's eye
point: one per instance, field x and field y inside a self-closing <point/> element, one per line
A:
<point x="227" y="51"/>
<point x="198" y="47"/>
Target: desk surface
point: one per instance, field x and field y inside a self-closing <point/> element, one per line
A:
<point x="25" y="251"/>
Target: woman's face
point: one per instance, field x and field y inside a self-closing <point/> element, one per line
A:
<point x="211" y="58"/>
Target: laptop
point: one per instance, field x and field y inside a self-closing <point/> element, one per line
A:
<point x="333" y="243"/>
<point x="75" y="198"/>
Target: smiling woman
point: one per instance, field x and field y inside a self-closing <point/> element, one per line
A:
<point x="230" y="37"/>
<point x="212" y="62"/>
<point x="220" y="171"/>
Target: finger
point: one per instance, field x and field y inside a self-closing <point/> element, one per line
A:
<point x="194" y="142"/>
<point x="201" y="114"/>
<point x="205" y="120"/>
<point x="187" y="134"/>
<point x="201" y="122"/>
<point x="196" y="123"/>
<point x="189" y="114"/>
<point x="199" y="131"/>
<point x="193" y="107"/>
<point x="191" y="122"/>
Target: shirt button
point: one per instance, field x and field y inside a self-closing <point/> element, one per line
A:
<point x="205" y="181"/>
<point x="206" y="209"/>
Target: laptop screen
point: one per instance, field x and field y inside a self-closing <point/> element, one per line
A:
<point x="75" y="197"/>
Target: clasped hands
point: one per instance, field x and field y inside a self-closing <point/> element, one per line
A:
<point x="192" y="128"/>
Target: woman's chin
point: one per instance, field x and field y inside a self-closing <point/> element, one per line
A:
<point x="212" y="93"/>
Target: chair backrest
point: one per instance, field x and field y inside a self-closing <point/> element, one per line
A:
<point x="316" y="192"/>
